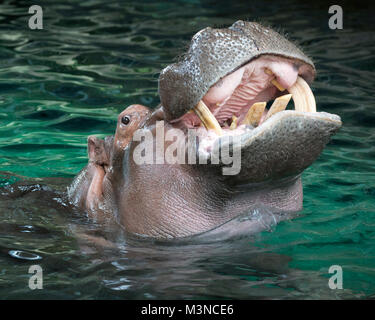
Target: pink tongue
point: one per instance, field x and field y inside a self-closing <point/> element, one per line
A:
<point x="236" y="92"/>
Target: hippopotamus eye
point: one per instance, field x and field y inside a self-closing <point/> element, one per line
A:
<point x="125" y="120"/>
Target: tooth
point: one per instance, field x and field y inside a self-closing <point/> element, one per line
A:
<point x="207" y="118"/>
<point x="278" y="105"/>
<point x="303" y="97"/>
<point x="274" y="81"/>
<point x="233" y="125"/>
<point x="277" y="85"/>
<point x="254" y="114"/>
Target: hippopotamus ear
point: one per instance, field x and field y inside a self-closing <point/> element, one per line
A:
<point x="96" y="151"/>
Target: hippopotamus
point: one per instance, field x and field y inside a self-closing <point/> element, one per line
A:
<point x="235" y="147"/>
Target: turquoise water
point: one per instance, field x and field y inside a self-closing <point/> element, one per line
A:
<point x="71" y="79"/>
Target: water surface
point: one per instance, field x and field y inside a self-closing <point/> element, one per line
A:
<point x="92" y="59"/>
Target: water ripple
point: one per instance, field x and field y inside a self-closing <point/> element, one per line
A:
<point x="94" y="58"/>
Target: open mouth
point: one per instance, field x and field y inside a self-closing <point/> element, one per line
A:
<point x="239" y="81"/>
<point x="249" y="96"/>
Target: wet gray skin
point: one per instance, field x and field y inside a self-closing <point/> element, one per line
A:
<point x="181" y="200"/>
<point x="214" y="53"/>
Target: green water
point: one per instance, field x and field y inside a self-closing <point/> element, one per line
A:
<point x="92" y="59"/>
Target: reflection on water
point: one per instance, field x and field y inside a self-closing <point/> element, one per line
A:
<point x="59" y="85"/>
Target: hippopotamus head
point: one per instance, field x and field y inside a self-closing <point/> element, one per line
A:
<point x="231" y="90"/>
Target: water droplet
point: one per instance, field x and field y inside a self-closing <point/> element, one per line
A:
<point x="23" y="255"/>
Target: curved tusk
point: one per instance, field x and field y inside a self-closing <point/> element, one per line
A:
<point x="302" y="95"/>
<point x="207" y="118"/>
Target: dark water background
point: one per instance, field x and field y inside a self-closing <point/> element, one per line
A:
<point x="94" y="58"/>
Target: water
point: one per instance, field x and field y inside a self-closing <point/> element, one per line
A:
<point x="70" y="80"/>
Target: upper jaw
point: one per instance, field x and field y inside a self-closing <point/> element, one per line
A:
<point x="215" y="53"/>
<point x="228" y="75"/>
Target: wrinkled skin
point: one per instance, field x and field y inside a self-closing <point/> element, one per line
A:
<point x="225" y="68"/>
